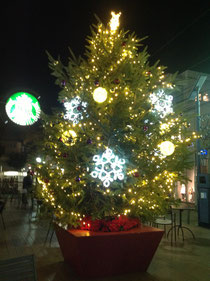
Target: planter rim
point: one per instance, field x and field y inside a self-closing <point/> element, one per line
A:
<point x="100" y="254"/>
<point x="134" y="231"/>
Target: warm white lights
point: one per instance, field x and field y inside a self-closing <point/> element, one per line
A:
<point x="108" y="167"/>
<point x="11" y="173"/>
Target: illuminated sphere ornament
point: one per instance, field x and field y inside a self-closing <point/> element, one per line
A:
<point x="108" y="167"/>
<point x="68" y="137"/>
<point x="23" y="108"/>
<point x="100" y="94"/>
<point x="167" y="148"/>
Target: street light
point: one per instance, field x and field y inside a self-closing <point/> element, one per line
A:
<point x="195" y="93"/>
<point x="38" y="160"/>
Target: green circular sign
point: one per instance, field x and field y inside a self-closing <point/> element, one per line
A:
<point x="23" y="108"/>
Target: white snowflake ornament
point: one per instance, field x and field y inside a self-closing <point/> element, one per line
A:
<point x="162" y="103"/>
<point x="108" y="167"/>
<point x="75" y="110"/>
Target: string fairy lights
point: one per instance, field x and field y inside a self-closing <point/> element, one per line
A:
<point x="118" y="116"/>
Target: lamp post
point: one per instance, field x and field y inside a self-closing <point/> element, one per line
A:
<point x="195" y="93"/>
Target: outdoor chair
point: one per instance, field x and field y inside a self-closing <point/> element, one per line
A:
<point x="50" y="229"/>
<point x="165" y="221"/>
<point x="2" y="207"/>
<point x="13" y="192"/>
<point x="18" y="269"/>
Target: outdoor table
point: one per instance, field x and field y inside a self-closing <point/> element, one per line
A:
<point x="182" y="207"/>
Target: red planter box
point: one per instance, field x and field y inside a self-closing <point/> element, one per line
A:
<point x="99" y="254"/>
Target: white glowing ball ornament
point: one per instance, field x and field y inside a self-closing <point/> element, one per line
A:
<point x="167" y="148"/>
<point x="100" y="94"/>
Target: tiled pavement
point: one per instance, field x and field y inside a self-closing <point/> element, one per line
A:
<point x="185" y="261"/>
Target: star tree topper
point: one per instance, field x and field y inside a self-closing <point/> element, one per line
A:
<point x="114" y="22"/>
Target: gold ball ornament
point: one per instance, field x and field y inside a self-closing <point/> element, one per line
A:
<point x="167" y="148"/>
<point x="100" y="94"/>
<point x="68" y="137"/>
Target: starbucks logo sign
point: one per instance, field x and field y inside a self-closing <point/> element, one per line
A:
<point x="23" y="109"/>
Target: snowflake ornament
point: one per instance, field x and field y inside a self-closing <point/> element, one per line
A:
<point x="75" y="109"/>
<point x="162" y="103"/>
<point x="108" y="167"/>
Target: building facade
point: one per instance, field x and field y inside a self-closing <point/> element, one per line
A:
<point x="187" y="106"/>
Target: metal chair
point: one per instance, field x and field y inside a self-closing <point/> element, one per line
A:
<point x="18" y="269"/>
<point x="2" y="206"/>
<point x="168" y="221"/>
<point x="50" y="229"/>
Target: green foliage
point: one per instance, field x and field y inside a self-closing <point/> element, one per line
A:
<point x="126" y="122"/>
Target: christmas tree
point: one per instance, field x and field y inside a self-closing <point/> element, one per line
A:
<point x="117" y="148"/>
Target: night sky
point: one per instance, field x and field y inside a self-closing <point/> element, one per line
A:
<point x="178" y="35"/>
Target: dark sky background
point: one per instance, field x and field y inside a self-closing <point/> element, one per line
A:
<point x="178" y="34"/>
